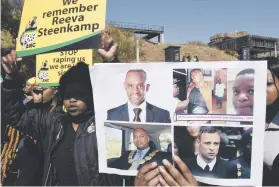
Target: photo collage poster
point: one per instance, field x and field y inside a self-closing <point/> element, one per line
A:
<point x="203" y="112"/>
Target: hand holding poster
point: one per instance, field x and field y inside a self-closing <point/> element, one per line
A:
<point x="47" y="25"/>
<point x="51" y="66"/>
<point x="203" y="112"/>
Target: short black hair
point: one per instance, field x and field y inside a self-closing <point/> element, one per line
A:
<point x="208" y="129"/>
<point x="246" y="71"/>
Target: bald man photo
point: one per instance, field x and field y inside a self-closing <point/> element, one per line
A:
<point x="144" y="154"/>
<point x="137" y="109"/>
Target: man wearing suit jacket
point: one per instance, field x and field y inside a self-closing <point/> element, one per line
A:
<point x="134" y="160"/>
<point x="137" y="108"/>
<point x="207" y="163"/>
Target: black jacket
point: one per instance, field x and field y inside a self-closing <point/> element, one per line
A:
<point x="222" y="169"/>
<point x="48" y="129"/>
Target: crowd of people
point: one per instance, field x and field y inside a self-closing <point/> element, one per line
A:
<point x="49" y="138"/>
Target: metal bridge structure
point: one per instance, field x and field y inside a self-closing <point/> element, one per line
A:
<point x="147" y="32"/>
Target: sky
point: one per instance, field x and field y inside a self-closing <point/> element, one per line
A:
<point x="197" y="20"/>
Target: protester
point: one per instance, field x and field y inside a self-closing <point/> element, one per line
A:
<point x="271" y="148"/>
<point x="69" y="140"/>
<point x="109" y="48"/>
<point x="28" y="87"/>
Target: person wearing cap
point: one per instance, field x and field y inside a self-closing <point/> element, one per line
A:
<point x="69" y="143"/>
<point x="243" y="162"/>
<point x="27" y="89"/>
<point x="180" y="106"/>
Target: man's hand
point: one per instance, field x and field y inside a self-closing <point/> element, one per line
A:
<point x="11" y="63"/>
<point x="148" y="175"/>
<point x="172" y="177"/>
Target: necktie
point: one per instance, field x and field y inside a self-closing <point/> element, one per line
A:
<point x="139" y="157"/>
<point x="206" y="168"/>
<point x="137" y="112"/>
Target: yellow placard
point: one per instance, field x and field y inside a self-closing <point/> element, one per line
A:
<point x="51" y="66"/>
<point x="47" y="25"/>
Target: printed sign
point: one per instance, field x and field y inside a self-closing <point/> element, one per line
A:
<point x="209" y="114"/>
<point x="50" y="67"/>
<point x="47" y="25"/>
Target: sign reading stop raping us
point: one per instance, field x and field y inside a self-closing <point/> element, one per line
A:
<point x="51" y="66"/>
<point x="50" y="25"/>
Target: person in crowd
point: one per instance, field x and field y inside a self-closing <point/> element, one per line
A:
<point x="243" y="162"/>
<point x="137" y="108"/>
<point x="243" y="92"/>
<point x="109" y="47"/>
<point x="271" y="149"/>
<point x="207" y="163"/>
<point x="200" y="94"/>
<point x="180" y="106"/>
<point x="27" y="89"/>
<point x="134" y="160"/>
<point x="195" y="59"/>
<point x="219" y="92"/>
<point x="69" y="140"/>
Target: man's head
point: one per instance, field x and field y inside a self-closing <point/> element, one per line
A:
<point x="29" y="85"/>
<point x="76" y="90"/>
<point x="175" y="88"/>
<point x="197" y="76"/>
<point x="209" y="143"/>
<point x="243" y="92"/>
<point x="135" y="86"/>
<point x="141" y="138"/>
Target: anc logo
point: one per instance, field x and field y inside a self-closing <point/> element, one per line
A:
<point x="27" y="38"/>
<point x="43" y="72"/>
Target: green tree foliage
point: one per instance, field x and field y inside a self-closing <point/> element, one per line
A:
<point x="11" y="14"/>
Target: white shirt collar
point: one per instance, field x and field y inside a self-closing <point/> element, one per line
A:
<point x="132" y="114"/>
<point x="202" y="163"/>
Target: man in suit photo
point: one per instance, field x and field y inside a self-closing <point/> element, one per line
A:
<point x="207" y="163"/>
<point x="137" y="109"/>
<point x="144" y="154"/>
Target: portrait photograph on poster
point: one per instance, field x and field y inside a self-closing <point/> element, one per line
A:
<point x="215" y="151"/>
<point x="131" y="146"/>
<point x="204" y="118"/>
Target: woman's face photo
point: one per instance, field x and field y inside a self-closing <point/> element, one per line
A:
<point x="271" y="89"/>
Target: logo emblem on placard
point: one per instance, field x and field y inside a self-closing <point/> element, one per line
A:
<point x="43" y="72"/>
<point x="28" y="37"/>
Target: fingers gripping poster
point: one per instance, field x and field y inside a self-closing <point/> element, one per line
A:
<point x="47" y="25"/>
<point x="205" y="113"/>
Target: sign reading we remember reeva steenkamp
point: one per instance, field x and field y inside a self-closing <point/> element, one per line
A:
<point x="51" y="66"/>
<point x="49" y="25"/>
